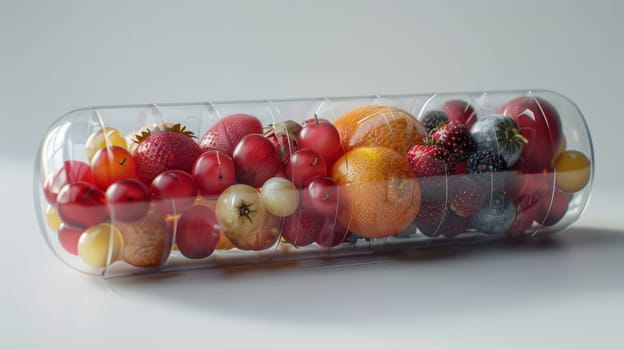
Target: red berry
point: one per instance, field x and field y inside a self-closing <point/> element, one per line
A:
<point x="228" y="132"/>
<point x="69" y="237"/>
<point x="540" y="124"/>
<point x="111" y="164"/>
<point x="304" y="165"/>
<point x="526" y="212"/>
<point x="171" y="148"/>
<point x="323" y="138"/>
<point x="173" y="191"/>
<point x="256" y="160"/>
<point x="321" y="196"/>
<point x="430" y="160"/>
<point x="128" y="200"/>
<point x="460" y="111"/>
<point x="464" y="196"/>
<point x="214" y="171"/>
<point x="81" y="205"/>
<point x="454" y="136"/>
<point x="72" y="171"/>
<point x="197" y="232"/>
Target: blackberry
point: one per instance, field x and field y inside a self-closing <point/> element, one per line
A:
<point x="432" y="120"/>
<point x="487" y="169"/>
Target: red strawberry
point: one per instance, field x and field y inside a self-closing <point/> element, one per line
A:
<point x="454" y="136"/>
<point x="464" y="197"/>
<point x="430" y="159"/>
<point x="225" y="134"/>
<point x="169" y="148"/>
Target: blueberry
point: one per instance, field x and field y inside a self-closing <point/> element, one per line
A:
<point x="496" y="216"/>
<point x="500" y="134"/>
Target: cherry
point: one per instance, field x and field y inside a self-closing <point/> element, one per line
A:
<point x="174" y="191"/>
<point x="301" y="228"/>
<point x="197" y="232"/>
<point x="321" y="196"/>
<point x="332" y="233"/>
<point x="111" y="164"/>
<point x="553" y="211"/>
<point x="128" y="200"/>
<point x="81" y="205"/>
<point x="303" y="165"/>
<point x="72" y="171"/>
<point x="213" y="171"/>
<point x="256" y="159"/>
<point x="323" y="138"/>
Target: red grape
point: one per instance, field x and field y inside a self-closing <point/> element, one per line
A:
<point x="303" y="165"/>
<point x="81" y="205"/>
<point x="111" y="164"/>
<point x="256" y="159"/>
<point x="128" y="200"/>
<point x="213" y="172"/>
<point x="174" y="191"/>
<point x="321" y="196"/>
<point x="68" y="237"/>
<point x="197" y="232"/>
<point x="323" y="138"/>
<point x="72" y="171"/>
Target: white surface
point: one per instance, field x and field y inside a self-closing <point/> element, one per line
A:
<point x="56" y="57"/>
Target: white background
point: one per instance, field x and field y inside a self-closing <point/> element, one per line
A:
<point x="57" y="56"/>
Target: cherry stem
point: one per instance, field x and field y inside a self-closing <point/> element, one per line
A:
<point x="316" y="119"/>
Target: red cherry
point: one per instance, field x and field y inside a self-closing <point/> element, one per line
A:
<point x="128" y="200"/>
<point x="256" y="160"/>
<point x="229" y="131"/>
<point x="323" y="138"/>
<point x="332" y="233"/>
<point x="527" y="206"/>
<point x="540" y="124"/>
<point x="197" y="232"/>
<point x="321" y="196"/>
<point x="315" y="120"/>
<point x="304" y="165"/>
<point x="301" y="228"/>
<point x="81" y="205"/>
<point x="69" y="237"/>
<point x="111" y="164"/>
<point x="214" y="171"/>
<point x="173" y="191"/>
<point x="72" y="171"/>
<point x="461" y="111"/>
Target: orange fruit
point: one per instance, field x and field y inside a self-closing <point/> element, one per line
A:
<point x="380" y="192"/>
<point x="379" y="126"/>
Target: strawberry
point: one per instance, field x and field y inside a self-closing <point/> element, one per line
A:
<point x="429" y="159"/>
<point x="430" y="217"/>
<point x="464" y="197"/>
<point x="166" y="148"/>
<point x="454" y="136"/>
<point x="227" y="132"/>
